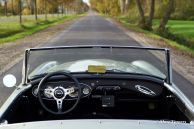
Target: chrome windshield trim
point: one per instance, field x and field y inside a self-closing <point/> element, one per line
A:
<point x="101" y="46"/>
<point x="24" y="69"/>
<point x="169" y="66"/>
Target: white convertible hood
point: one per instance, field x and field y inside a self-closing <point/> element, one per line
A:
<point x="99" y="124"/>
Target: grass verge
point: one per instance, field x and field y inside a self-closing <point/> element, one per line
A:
<point x="12" y="30"/>
<point x="176" y="28"/>
<point x="180" y="28"/>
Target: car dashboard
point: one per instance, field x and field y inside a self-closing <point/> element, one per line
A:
<point x="108" y="89"/>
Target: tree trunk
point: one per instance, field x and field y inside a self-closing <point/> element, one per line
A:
<point x="127" y="2"/>
<point x="58" y="11"/>
<point x="45" y="9"/>
<point x="62" y="9"/>
<point x="5" y="7"/>
<point x="151" y="13"/>
<point x="27" y="4"/>
<point x="32" y="6"/>
<point x="12" y="7"/>
<point x="122" y="6"/>
<point x="20" y="11"/>
<point x="142" y="22"/>
<point x="166" y="16"/>
<point x="53" y="12"/>
<point x="35" y="10"/>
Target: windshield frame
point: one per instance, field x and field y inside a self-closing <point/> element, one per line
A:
<point x="28" y="51"/>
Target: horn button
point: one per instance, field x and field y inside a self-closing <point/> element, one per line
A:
<point x="59" y="93"/>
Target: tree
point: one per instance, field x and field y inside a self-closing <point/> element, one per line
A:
<point x="151" y="13"/>
<point x="35" y="10"/>
<point x="12" y="7"/>
<point x="109" y="7"/>
<point x="142" y="21"/>
<point x="127" y="2"/>
<point x="32" y="4"/>
<point x="166" y="16"/>
<point x="20" y="11"/>
<point x="122" y="6"/>
<point x="5" y="7"/>
<point x="45" y="9"/>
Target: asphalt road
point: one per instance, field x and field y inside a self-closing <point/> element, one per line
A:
<point x="93" y="30"/>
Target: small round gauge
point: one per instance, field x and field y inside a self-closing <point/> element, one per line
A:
<point x="35" y="91"/>
<point x="86" y="90"/>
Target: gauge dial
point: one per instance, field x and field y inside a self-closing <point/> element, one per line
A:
<point x="46" y="94"/>
<point x="74" y="94"/>
<point x="35" y="91"/>
<point x="86" y="91"/>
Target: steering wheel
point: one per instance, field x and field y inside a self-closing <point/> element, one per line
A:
<point x="59" y="93"/>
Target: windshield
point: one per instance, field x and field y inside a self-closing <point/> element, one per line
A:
<point x="112" y="59"/>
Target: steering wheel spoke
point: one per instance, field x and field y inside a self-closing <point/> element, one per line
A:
<point x="59" y="105"/>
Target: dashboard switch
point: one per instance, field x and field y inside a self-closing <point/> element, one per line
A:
<point x="108" y="101"/>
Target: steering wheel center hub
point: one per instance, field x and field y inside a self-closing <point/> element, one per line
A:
<point x="59" y="93"/>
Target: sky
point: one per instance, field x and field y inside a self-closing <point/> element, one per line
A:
<point x="87" y="1"/>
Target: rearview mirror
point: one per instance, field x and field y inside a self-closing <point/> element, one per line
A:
<point x="9" y="80"/>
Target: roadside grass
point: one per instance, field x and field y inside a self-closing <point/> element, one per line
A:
<point x="178" y="27"/>
<point x="12" y="30"/>
<point x="182" y="29"/>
